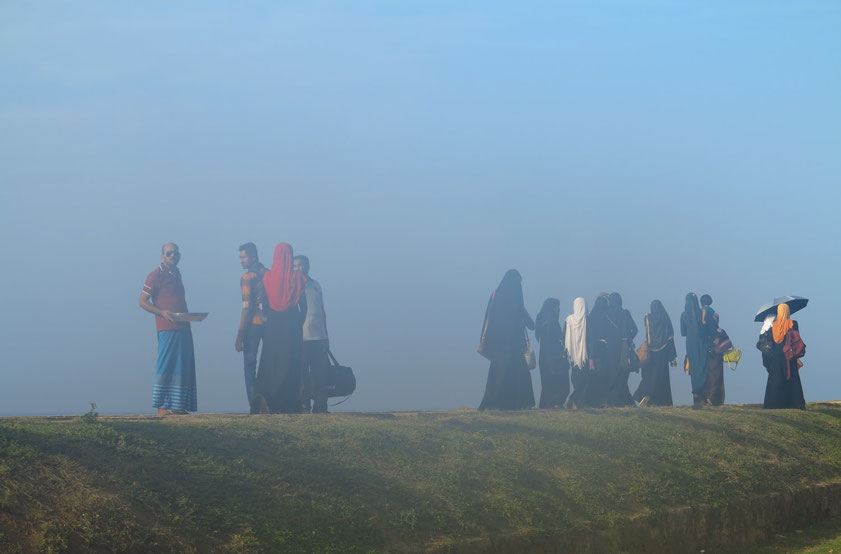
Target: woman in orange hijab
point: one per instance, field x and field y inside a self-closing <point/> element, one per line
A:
<point x="278" y="384"/>
<point x="783" y="389"/>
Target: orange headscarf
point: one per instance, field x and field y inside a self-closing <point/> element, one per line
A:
<point x="283" y="286"/>
<point x="783" y="323"/>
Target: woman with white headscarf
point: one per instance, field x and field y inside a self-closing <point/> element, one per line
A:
<point x="575" y="341"/>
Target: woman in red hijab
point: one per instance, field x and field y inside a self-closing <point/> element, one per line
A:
<point x="277" y="389"/>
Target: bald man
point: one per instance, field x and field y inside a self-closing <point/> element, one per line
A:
<point x="163" y="295"/>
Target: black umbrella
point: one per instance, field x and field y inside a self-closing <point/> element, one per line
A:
<point x="795" y="303"/>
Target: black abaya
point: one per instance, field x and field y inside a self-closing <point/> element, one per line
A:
<point x="278" y="385"/>
<point x="782" y="391"/>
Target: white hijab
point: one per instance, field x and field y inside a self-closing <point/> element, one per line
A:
<point x="769" y="321"/>
<point x="576" y="334"/>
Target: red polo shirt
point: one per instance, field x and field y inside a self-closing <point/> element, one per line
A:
<point x="166" y="291"/>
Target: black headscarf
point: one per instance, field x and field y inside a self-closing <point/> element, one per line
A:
<point x="692" y="315"/>
<point x="597" y="320"/>
<point x="614" y="304"/>
<point x="505" y="315"/>
<point x="620" y="318"/>
<point x="548" y="322"/>
<point x="659" y="326"/>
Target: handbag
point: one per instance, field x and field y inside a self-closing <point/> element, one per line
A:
<point x="642" y="351"/>
<point x="339" y="379"/>
<point x="732" y="356"/>
<point x="765" y="344"/>
<point x="531" y="359"/>
<point x="629" y="361"/>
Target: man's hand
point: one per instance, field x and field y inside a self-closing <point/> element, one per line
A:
<point x="238" y="344"/>
<point x="167" y="315"/>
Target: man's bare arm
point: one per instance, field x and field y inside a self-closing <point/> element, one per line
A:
<point x="147" y="305"/>
<point x="243" y="325"/>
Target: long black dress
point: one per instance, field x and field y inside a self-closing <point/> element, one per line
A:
<point x="278" y="385"/>
<point x="620" y="337"/>
<point x="504" y="336"/>
<point x="600" y="334"/>
<point x="553" y="362"/>
<point x="782" y="390"/>
<point x="660" y="335"/>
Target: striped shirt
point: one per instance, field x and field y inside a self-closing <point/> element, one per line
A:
<point x="254" y="294"/>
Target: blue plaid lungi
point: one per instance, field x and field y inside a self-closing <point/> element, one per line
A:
<point x="175" y="383"/>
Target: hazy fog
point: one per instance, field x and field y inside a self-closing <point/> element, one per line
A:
<point x="414" y="151"/>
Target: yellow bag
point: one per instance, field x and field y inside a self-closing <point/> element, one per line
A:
<point x="732" y="356"/>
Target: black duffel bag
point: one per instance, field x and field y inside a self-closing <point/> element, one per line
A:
<point x="340" y="379"/>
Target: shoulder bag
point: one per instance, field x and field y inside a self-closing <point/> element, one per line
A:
<point x="793" y="347"/>
<point x="765" y="344"/>
<point x="531" y="359"/>
<point x="340" y="379"/>
<point x="642" y="351"/>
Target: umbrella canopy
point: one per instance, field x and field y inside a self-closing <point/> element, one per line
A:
<point x="795" y="303"/>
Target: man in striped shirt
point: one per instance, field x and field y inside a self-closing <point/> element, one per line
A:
<point x="253" y="317"/>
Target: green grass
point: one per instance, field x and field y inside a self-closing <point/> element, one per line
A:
<point x="388" y="482"/>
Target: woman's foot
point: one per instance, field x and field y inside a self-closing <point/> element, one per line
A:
<point x="697" y="402"/>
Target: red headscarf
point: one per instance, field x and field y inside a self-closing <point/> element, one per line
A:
<point x="283" y="286"/>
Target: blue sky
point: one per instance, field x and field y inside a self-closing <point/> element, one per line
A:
<point x="415" y="151"/>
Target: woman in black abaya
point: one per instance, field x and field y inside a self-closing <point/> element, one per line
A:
<point x="600" y="335"/>
<point x="620" y="348"/>
<point x="553" y="362"/>
<point x="783" y="389"/>
<point x="504" y="342"/>
<point x="655" y="388"/>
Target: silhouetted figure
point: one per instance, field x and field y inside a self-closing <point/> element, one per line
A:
<point x="601" y="335"/>
<point x="278" y="386"/>
<point x="655" y="388"/>
<point x="696" y="347"/>
<point x="620" y="351"/>
<point x="553" y="362"/>
<point x="506" y="319"/>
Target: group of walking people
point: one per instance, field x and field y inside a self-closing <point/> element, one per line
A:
<point x="595" y="352"/>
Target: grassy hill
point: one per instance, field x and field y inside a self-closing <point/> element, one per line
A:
<point x="381" y="482"/>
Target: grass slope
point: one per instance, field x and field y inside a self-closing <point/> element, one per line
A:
<point x="387" y="482"/>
